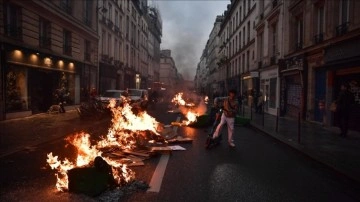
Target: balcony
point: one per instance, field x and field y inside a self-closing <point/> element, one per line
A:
<point x="274" y="3"/>
<point x="116" y="29"/>
<point x="273" y="60"/>
<point x="87" y="56"/>
<point x="110" y="24"/>
<point x="318" y="38"/>
<point x="342" y="29"/>
<point x="45" y="42"/>
<point x="66" y="7"/>
<point x="13" y="31"/>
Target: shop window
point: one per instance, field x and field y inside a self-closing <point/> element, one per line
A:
<point x="272" y="93"/>
<point x="16" y="97"/>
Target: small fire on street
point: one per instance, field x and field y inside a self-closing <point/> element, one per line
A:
<point x="125" y="132"/>
<point x="188" y="109"/>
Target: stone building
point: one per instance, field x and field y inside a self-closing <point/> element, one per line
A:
<point x="47" y="47"/>
<point x="168" y="71"/>
<point x="269" y="49"/>
<point x="237" y="65"/>
<point x="321" y="52"/>
<point x="111" y="16"/>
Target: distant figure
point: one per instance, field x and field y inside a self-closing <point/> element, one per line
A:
<point x="93" y="94"/>
<point x="344" y="104"/>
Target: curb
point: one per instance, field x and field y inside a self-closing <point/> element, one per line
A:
<point x="304" y="153"/>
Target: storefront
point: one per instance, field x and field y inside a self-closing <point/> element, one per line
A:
<point x="292" y="86"/>
<point x="342" y="62"/>
<point x="269" y="90"/>
<point x="32" y="81"/>
<point x="250" y="82"/>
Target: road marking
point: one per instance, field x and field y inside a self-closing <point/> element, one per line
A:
<point x="156" y="180"/>
<point x="158" y="175"/>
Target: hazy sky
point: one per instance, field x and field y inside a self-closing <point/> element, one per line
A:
<point x="186" y="28"/>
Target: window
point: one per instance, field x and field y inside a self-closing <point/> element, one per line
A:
<point x="272" y="94"/>
<point x="87" y="50"/>
<point x="67" y="42"/>
<point x="44" y="33"/>
<point x="247" y="60"/>
<point x="248" y="31"/>
<point x="66" y="6"/>
<point x="116" y="18"/>
<point x="260" y="48"/>
<point x="87" y="12"/>
<point x="344" y="18"/>
<point x="249" y="5"/>
<point x="13" y="21"/>
<point x="274" y="42"/>
<point x="319" y="24"/>
<point x="299" y="32"/>
<point x="109" y="45"/>
<point x="103" y="42"/>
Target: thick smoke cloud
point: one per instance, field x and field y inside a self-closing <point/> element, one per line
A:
<point x="186" y="29"/>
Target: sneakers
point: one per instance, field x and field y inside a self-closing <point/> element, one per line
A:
<point x="231" y="144"/>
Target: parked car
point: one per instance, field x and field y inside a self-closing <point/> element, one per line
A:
<point x="112" y="94"/>
<point x="138" y="97"/>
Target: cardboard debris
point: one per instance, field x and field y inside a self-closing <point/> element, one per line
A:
<point x="177" y="148"/>
<point x="161" y="150"/>
<point x="137" y="153"/>
<point x="180" y="139"/>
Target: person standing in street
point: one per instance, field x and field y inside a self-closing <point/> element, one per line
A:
<point x="230" y="108"/>
<point x="344" y="104"/>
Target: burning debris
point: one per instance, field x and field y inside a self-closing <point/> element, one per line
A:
<point x="189" y="109"/>
<point x="126" y="144"/>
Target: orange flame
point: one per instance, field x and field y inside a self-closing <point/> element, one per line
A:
<point x="122" y="134"/>
<point x="178" y="99"/>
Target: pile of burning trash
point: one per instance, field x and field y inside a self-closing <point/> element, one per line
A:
<point x="194" y="112"/>
<point x="131" y="139"/>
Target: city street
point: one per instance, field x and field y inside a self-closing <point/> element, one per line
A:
<point x="258" y="169"/>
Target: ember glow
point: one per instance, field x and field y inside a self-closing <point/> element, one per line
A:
<point x="122" y="134"/>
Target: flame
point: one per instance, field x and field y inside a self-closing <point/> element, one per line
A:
<point x="191" y="117"/>
<point x="121" y="134"/>
<point x="178" y="99"/>
<point x="189" y="113"/>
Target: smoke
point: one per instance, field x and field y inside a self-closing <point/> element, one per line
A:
<point x="186" y="29"/>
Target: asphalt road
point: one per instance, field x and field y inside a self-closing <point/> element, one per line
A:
<point x="258" y="169"/>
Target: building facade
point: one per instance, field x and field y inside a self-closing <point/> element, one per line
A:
<point x="168" y="71"/>
<point x="321" y="53"/>
<point x="47" y="47"/>
<point x="269" y="48"/>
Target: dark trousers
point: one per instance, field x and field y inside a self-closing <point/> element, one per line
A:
<point x="344" y="123"/>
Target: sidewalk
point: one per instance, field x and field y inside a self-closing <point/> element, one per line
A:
<point x="319" y="143"/>
<point x="26" y="133"/>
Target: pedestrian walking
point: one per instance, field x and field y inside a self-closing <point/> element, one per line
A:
<point x="230" y="108"/>
<point x="344" y="104"/>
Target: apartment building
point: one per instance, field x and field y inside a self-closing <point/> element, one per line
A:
<point x="213" y="57"/>
<point x="269" y="49"/>
<point x="237" y="68"/>
<point x="46" y="47"/>
<point x="320" y="53"/>
<point x="111" y="16"/>
<point x="168" y="70"/>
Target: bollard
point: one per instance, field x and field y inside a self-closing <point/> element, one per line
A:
<point x="251" y="111"/>
<point x="243" y="110"/>
<point x="263" y="115"/>
<point x="277" y="120"/>
<point x="299" y="138"/>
